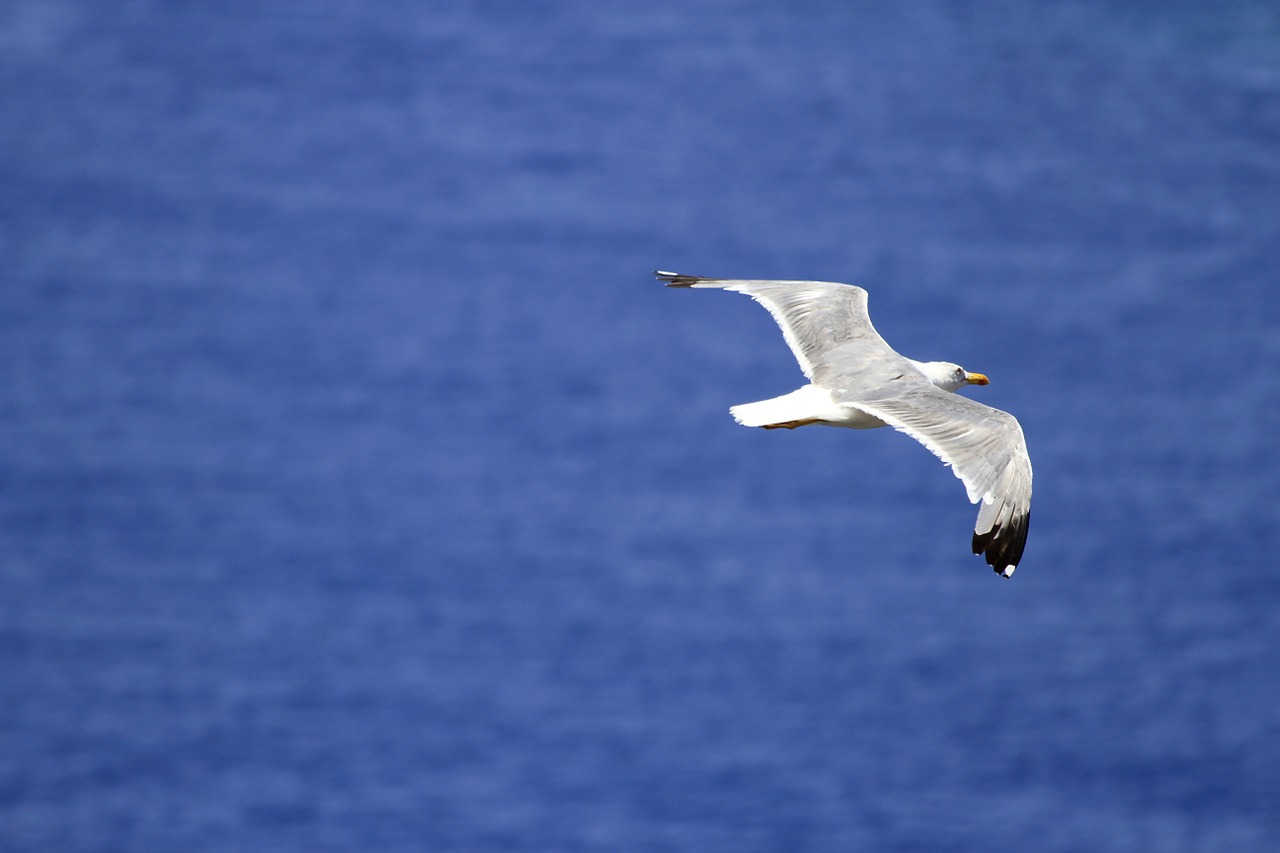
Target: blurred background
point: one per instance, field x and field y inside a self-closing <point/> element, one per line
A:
<point x="361" y="490"/>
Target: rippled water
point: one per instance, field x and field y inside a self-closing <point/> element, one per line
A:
<point x="361" y="490"/>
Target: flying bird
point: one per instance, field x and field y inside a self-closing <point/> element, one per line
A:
<point x="856" y="380"/>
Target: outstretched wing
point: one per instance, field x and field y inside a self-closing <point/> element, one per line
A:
<point x="984" y="447"/>
<point x="816" y="317"/>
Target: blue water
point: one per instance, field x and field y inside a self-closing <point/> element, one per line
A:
<point x="361" y="490"/>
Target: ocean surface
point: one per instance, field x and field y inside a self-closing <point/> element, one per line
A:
<point x="361" y="490"/>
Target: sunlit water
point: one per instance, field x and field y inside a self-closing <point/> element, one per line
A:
<point x="360" y="490"/>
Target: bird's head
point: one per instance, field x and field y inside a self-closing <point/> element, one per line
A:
<point x="951" y="377"/>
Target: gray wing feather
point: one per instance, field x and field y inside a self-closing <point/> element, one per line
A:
<point x="816" y="317"/>
<point x="984" y="447"/>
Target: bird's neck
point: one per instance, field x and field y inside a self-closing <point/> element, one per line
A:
<point x="940" y="373"/>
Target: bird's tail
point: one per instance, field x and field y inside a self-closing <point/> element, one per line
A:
<point x="796" y="407"/>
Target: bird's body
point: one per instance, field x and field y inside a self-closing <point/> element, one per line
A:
<point x="858" y="381"/>
<point x="811" y="404"/>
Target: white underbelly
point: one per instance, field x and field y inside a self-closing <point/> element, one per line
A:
<point x="855" y="419"/>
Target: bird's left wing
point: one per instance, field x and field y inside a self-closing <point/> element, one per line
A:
<point x="816" y="317"/>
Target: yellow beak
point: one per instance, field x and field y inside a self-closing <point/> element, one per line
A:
<point x="977" y="379"/>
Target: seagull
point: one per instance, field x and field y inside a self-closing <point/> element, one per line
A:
<point x="858" y="381"/>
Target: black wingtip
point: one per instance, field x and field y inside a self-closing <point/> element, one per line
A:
<point x="1003" y="545"/>
<point x="674" y="279"/>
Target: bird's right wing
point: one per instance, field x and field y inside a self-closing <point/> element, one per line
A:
<point x="815" y="316"/>
<point x="984" y="447"/>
